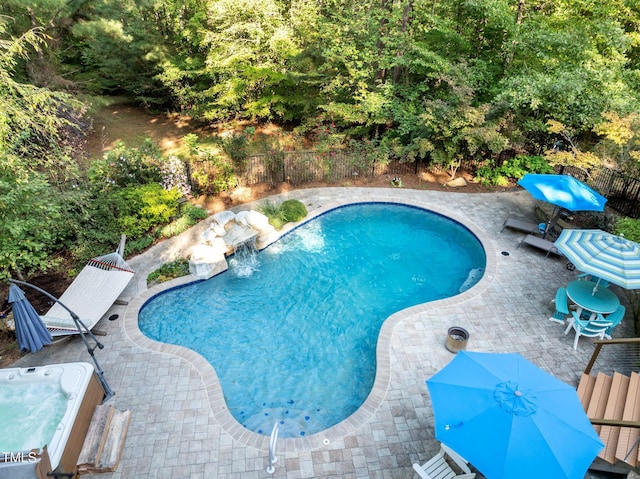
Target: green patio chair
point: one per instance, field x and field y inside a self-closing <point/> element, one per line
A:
<point x="562" y="306"/>
<point x="614" y="318"/>
<point x="590" y="329"/>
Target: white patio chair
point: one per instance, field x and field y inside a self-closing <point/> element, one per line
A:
<point x="590" y="329"/>
<point x="438" y="467"/>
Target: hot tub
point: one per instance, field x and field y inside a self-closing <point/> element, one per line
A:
<point x="46" y="405"/>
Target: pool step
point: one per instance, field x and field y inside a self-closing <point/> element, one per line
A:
<point x="104" y="441"/>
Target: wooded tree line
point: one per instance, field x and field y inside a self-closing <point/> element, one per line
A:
<point x="443" y="78"/>
<point x="440" y="80"/>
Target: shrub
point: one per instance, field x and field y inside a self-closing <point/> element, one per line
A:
<point x="169" y="271"/>
<point x="515" y="168"/>
<point x="124" y="166"/>
<point x="140" y="208"/>
<point x="288" y="211"/>
<point x="190" y="216"/>
<point x="628" y="227"/>
<point x="174" y="175"/>
<point x="195" y="213"/>
<point x="274" y="213"/>
<point x="213" y="174"/>
<point x="293" y="210"/>
<point x="138" y="245"/>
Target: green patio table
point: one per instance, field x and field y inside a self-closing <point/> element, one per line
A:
<point x="603" y="301"/>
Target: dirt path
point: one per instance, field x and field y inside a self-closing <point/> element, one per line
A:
<point x="132" y="125"/>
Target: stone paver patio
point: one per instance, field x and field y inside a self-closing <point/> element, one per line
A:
<point x="180" y="426"/>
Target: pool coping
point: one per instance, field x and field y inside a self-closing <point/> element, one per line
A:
<point x="383" y="349"/>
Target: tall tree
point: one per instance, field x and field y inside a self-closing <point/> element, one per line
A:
<point x="37" y="129"/>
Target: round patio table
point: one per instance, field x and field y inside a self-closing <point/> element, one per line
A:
<point x="604" y="301"/>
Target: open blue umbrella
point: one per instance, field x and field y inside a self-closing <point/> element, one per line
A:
<point x="563" y="191"/>
<point x="510" y="419"/>
<point x="31" y="332"/>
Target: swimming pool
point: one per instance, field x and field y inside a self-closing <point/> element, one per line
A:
<point x="295" y="341"/>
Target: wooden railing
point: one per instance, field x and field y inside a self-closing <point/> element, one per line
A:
<point x="628" y="360"/>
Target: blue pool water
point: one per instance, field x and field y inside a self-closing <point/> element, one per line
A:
<point x="292" y="335"/>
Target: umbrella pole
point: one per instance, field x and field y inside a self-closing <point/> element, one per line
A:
<point x="552" y="221"/>
<point x="83" y="330"/>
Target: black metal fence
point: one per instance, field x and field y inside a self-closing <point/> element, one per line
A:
<point x="622" y="191"/>
<point x="331" y="166"/>
<point x="340" y="166"/>
<point x="300" y="167"/>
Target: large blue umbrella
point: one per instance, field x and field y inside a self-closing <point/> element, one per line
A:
<point x="31" y="332"/>
<point x="563" y="191"/>
<point x="510" y="419"/>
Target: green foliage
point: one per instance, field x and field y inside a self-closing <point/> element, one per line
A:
<point x="287" y="211"/>
<point x="437" y="81"/>
<point x="168" y="271"/>
<point x="140" y="208"/>
<point x="274" y="213"/>
<point x="513" y="169"/>
<point x="190" y="216"/>
<point x="213" y="174"/>
<point x="125" y="166"/>
<point x="293" y="210"/>
<point x="235" y="147"/>
<point x="138" y="245"/>
<point x="32" y="218"/>
<point x="194" y="213"/>
<point x="629" y="228"/>
<point x="113" y="48"/>
<point x="39" y="129"/>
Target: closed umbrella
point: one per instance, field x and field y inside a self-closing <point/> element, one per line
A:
<point x="602" y="254"/>
<point x="31" y="332"/>
<point x="510" y="419"/>
<point x="563" y="191"/>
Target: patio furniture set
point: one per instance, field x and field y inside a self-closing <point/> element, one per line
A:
<point x="596" y="309"/>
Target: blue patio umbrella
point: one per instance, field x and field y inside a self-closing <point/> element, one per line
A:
<point x="510" y="419"/>
<point x="603" y="255"/>
<point x="31" y="332"/>
<point x="563" y="191"/>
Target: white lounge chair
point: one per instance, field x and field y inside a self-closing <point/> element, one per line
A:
<point x="90" y="295"/>
<point x="438" y="467"/>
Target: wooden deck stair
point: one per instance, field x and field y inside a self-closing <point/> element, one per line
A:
<point x="615" y="399"/>
<point x="104" y="441"/>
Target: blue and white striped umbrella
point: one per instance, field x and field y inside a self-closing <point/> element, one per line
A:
<point x="602" y="254"/>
